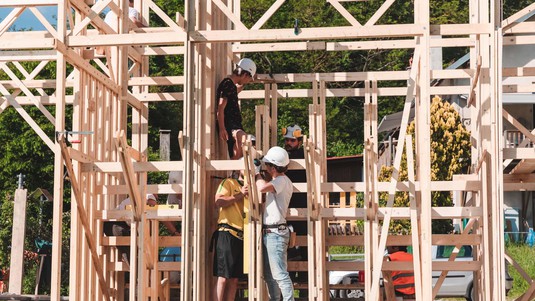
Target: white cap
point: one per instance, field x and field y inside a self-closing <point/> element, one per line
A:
<point x="151" y="196"/>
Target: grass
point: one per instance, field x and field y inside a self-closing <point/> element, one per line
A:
<point x="524" y="255"/>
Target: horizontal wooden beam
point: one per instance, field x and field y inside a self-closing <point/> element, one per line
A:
<point x="138" y="166"/>
<point x="350" y="45"/>
<point x="129" y="39"/>
<point x="305" y="34"/>
<point x="19" y="3"/>
<point x="151" y="188"/>
<point x="519" y="153"/>
<point x="166" y="50"/>
<point x="399" y="213"/>
<point x="156" y="81"/>
<point x="28" y="55"/>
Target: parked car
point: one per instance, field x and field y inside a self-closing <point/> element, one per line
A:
<point x="457" y="283"/>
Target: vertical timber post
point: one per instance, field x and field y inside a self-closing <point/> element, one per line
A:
<point x="55" y="287"/>
<point x="16" y="269"/>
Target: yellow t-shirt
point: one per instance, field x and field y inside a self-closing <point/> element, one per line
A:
<point x="234" y="214"/>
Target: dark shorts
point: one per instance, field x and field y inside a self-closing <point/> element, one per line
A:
<point x="228" y="256"/>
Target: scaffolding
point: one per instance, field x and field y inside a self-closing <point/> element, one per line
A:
<point x="111" y="162"/>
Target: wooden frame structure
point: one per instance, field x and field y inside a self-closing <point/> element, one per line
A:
<point x="103" y="167"/>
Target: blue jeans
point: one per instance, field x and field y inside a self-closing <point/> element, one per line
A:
<point x="278" y="280"/>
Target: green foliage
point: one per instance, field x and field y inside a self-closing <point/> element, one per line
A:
<point x="450" y="154"/>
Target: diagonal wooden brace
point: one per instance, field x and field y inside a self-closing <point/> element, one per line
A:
<point x="104" y="288"/>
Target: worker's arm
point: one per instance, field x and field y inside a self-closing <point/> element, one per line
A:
<point x="262" y="185"/>
<point x="137" y="23"/>
<point x="223" y="135"/>
<point x="171" y="227"/>
<point x="135" y="17"/>
<point x="225" y="201"/>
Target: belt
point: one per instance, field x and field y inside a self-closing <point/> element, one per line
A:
<point x="274" y="228"/>
<point x="235" y="231"/>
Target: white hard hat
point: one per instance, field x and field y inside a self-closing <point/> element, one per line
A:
<point x="293" y="131"/>
<point x="248" y="65"/>
<point x="277" y="156"/>
<point x="151" y="196"/>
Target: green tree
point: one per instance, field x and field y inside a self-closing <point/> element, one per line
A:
<point x="450" y="154"/>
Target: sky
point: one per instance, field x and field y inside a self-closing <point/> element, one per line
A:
<point x="27" y="19"/>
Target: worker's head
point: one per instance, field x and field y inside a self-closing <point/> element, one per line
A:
<point x="293" y="137"/>
<point x="131" y="3"/>
<point x="277" y="158"/>
<point x="394" y="249"/>
<point x="245" y="70"/>
<point x="152" y="199"/>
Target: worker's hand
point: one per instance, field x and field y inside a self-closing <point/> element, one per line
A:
<point x="245" y="190"/>
<point x="223" y="135"/>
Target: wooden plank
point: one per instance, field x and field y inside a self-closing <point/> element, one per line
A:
<point x="10" y="19"/>
<point x="27" y="55"/>
<point x="518" y="125"/>
<point x="513" y="19"/>
<point x="127" y="39"/>
<point x="379" y="13"/>
<point x="345" y="32"/>
<point x="349" y="17"/>
<point x="272" y="9"/>
<point x="156" y="81"/>
<point x="44" y="21"/>
<point x="151" y="188"/>
<point x="18" y="3"/>
<point x="452" y="257"/>
<point x="164" y="50"/>
<point x="79" y="62"/>
<point x="269" y="47"/>
<point x="16" y="267"/>
<point x="164" y="17"/>
<point x="82" y="214"/>
<point x="232" y="17"/>
<point x="28" y="119"/>
<point x="415" y="227"/>
<point x="519" y="153"/>
<point x="26" y="91"/>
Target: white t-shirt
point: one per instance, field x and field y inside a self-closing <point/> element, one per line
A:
<point x="277" y="202"/>
<point x="123" y="204"/>
<point x="112" y="20"/>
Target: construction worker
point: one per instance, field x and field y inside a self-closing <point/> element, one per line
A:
<point x="229" y="119"/>
<point x="112" y="20"/>
<point x="293" y="141"/>
<point x="403" y="281"/>
<point x="293" y="144"/>
<point x="276" y="234"/>
<point x="122" y="228"/>
<point x="228" y="239"/>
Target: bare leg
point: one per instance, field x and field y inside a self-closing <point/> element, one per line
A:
<point x="238" y="153"/>
<point x="220" y="289"/>
<point x="232" y="287"/>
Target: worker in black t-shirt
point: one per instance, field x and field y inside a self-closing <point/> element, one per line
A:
<point x="229" y="119"/>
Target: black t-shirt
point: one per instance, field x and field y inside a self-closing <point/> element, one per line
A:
<point x="228" y="90"/>
<point x="299" y="199"/>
